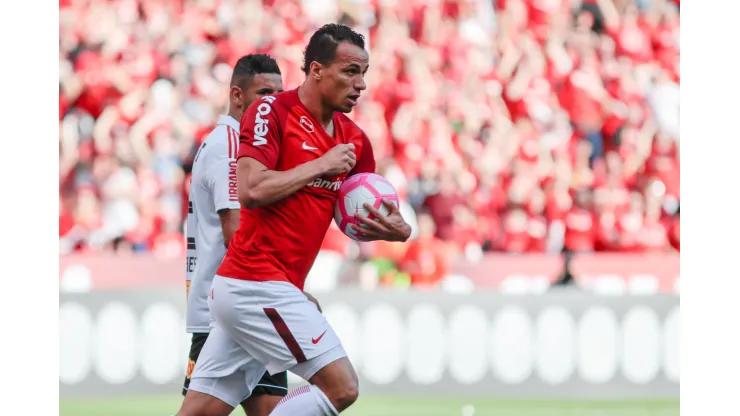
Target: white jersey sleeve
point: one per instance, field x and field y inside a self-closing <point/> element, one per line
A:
<point x="212" y="189"/>
<point x="221" y="178"/>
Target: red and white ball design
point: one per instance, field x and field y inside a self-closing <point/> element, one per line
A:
<point x="354" y="193"/>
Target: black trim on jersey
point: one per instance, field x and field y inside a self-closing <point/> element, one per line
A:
<point x="203" y="146"/>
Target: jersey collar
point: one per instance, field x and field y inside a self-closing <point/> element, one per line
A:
<point x="229" y="121"/>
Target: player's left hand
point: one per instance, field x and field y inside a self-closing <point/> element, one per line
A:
<point x="389" y="228"/>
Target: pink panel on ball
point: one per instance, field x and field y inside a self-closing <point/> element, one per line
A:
<point x="375" y="188"/>
<point x="347" y="186"/>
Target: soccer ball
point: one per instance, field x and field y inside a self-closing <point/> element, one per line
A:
<point x="355" y="192"/>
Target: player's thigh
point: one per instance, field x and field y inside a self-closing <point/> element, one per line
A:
<point x="335" y="362"/>
<point x="224" y="370"/>
<point x="273" y="321"/>
<point x="216" y="396"/>
<point x="196" y="345"/>
<point x="270" y="389"/>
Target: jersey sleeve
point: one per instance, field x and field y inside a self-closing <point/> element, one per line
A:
<point x="221" y="176"/>
<point x="366" y="160"/>
<point x="261" y="134"/>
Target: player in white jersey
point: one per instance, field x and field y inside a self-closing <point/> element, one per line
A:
<point x="213" y="216"/>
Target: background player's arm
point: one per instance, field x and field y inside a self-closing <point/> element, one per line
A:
<point x="229" y="223"/>
<point x="222" y="180"/>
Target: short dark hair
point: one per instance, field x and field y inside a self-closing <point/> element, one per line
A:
<point x="322" y="47"/>
<point x="250" y="65"/>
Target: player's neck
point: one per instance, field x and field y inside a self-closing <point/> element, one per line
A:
<point x="311" y="99"/>
<point x="235" y="114"/>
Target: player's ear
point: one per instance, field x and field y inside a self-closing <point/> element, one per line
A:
<point x="315" y="70"/>
<point x="236" y="96"/>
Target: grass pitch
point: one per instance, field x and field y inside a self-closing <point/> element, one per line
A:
<point x="393" y="406"/>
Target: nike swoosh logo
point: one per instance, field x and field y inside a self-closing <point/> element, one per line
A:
<point x="307" y="147"/>
<point x="316" y="340"/>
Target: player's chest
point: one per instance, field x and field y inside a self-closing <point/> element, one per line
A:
<point x="304" y="141"/>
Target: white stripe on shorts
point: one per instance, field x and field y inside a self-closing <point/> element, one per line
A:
<point x="270" y="385"/>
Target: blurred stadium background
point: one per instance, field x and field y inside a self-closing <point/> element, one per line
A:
<point x="535" y="144"/>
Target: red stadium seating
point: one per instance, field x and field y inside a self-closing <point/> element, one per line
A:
<point x="513" y="125"/>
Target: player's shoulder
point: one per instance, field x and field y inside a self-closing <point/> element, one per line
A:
<point x="350" y="127"/>
<point x="347" y="122"/>
<point x="287" y="98"/>
<point x="222" y="141"/>
<point x="219" y="134"/>
<point x="226" y="127"/>
<point x="282" y="102"/>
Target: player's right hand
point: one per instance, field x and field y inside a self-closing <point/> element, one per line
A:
<point x="340" y="159"/>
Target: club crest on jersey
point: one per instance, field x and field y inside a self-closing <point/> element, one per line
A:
<point x="306" y="124"/>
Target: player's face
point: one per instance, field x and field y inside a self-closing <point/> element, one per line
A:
<point x="259" y="86"/>
<point x="343" y="80"/>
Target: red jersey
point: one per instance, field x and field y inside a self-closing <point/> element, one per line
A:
<point x="280" y="241"/>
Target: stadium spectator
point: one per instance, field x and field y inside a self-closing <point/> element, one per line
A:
<point x="426" y="260"/>
<point x="523" y="126"/>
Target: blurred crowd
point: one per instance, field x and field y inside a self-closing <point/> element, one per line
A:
<point x="506" y="125"/>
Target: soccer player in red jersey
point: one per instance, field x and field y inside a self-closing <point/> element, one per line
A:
<point x="295" y="150"/>
<point x="213" y="217"/>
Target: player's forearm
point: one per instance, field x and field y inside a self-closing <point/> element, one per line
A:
<point x="229" y="224"/>
<point x="271" y="186"/>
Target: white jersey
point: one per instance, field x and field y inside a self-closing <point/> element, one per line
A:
<point x="212" y="189"/>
